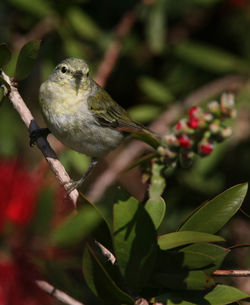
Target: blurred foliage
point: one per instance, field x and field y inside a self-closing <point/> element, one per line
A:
<point x="172" y="50"/>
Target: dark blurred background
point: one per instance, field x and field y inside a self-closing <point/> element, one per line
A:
<point x="149" y="55"/>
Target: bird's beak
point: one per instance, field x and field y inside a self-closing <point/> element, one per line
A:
<point x="78" y="77"/>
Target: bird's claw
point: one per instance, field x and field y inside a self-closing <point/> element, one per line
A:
<point x="71" y="185"/>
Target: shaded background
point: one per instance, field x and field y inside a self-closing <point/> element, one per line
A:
<point x="149" y="55"/>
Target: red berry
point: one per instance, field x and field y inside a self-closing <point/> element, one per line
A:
<point x="185" y="141"/>
<point x="207" y="148"/>
<point x="193" y="122"/>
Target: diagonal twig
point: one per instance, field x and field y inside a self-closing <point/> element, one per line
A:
<point x="57" y="294"/>
<point x="50" y="156"/>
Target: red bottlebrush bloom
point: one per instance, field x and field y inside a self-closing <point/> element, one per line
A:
<point x="17" y="284"/>
<point x="193" y="121"/>
<point x="206" y="148"/>
<point x="185" y="141"/>
<point x="18" y="194"/>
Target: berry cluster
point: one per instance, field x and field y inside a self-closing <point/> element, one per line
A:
<point x="198" y="133"/>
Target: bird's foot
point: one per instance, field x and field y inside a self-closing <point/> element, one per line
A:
<point x="37" y="133"/>
<point x="72" y="185"/>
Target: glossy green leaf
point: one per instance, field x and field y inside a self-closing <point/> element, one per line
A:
<point x="216" y="252"/>
<point x="219" y="295"/>
<point x="35" y="7"/>
<point x="177" y="239"/>
<point x="1" y="95"/>
<point x="156" y="209"/>
<point x="156" y="26"/>
<point x="26" y="59"/>
<point x="144" y="113"/>
<point x="174" y="261"/>
<point x="211" y="58"/>
<point x="214" y="214"/>
<point x="155" y="90"/>
<point x="134" y="238"/>
<point x="102" y="232"/>
<point x="5" y="54"/>
<point x="100" y="281"/>
<point x="83" y="24"/>
<point x="189" y="280"/>
<point x="77" y="227"/>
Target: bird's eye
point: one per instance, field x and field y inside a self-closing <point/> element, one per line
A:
<point x="63" y="69"/>
<point x="87" y="74"/>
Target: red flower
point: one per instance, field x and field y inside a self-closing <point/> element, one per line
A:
<point x="185" y="141"/>
<point x="17" y="284"/>
<point x="206" y="149"/>
<point x="18" y="194"/>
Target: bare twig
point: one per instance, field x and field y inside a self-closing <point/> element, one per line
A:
<point x="57" y="294"/>
<point x="41" y="29"/>
<point x="42" y="143"/>
<point x="119" y="163"/>
<point x="112" y="53"/>
<point x="232" y="273"/>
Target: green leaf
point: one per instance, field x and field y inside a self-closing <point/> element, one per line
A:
<point x="36" y="7"/>
<point x="156" y="26"/>
<point x="177" y="239"/>
<point x="155" y="90"/>
<point x="5" y="54"/>
<point x="216" y="252"/>
<point x="100" y="281"/>
<point x="214" y="214"/>
<point x="26" y="59"/>
<point x="144" y="113"/>
<point x="219" y="295"/>
<point x="102" y="232"/>
<point x="210" y="58"/>
<point x="83" y="24"/>
<point x="77" y="227"/>
<point x="1" y="95"/>
<point x="156" y="209"/>
<point x="183" y="260"/>
<point x="190" y="280"/>
<point x="134" y="241"/>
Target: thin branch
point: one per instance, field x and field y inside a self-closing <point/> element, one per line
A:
<point x="232" y="273"/>
<point x="134" y="149"/>
<point x="50" y="156"/>
<point x="112" y="53"/>
<point x="57" y="294"/>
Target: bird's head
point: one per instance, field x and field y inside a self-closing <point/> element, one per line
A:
<point x="73" y="72"/>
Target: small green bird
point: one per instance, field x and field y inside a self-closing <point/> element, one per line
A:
<point x="81" y="114"/>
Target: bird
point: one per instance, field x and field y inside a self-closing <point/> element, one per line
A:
<point x="82" y="115"/>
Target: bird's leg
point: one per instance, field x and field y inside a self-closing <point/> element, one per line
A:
<point x="72" y="185"/>
<point x="37" y="133"/>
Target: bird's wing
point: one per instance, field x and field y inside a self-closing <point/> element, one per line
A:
<point x="110" y="114"/>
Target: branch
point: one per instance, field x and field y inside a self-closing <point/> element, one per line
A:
<point x="232" y="273"/>
<point x="57" y="294"/>
<point x="50" y="156"/>
<point x="111" y="55"/>
<point x="134" y="149"/>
